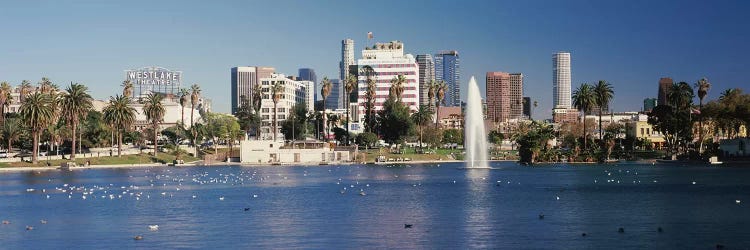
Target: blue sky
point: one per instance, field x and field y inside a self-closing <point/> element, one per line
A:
<point x="629" y="43"/>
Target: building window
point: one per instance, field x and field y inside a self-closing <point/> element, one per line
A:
<point x="264" y="110"/>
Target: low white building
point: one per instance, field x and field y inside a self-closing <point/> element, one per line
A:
<point x="270" y="152"/>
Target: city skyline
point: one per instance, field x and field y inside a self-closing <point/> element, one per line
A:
<point x="627" y="44"/>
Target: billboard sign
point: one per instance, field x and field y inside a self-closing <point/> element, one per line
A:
<point x="154" y="76"/>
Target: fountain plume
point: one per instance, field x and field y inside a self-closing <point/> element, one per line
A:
<point x="475" y="137"/>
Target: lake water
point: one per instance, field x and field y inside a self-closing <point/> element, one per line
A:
<point x="321" y="207"/>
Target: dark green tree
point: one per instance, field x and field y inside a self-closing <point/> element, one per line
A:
<point x="395" y="121"/>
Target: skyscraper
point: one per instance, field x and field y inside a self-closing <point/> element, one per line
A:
<point x="561" y="80"/>
<point x="426" y="75"/>
<point x="516" y="95"/>
<point x="665" y="83"/>
<point x="447" y="68"/>
<point x="527" y="106"/>
<point x="498" y="96"/>
<point x="388" y="60"/>
<point x="243" y="79"/>
<point x="347" y="58"/>
<point x="307" y="74"/>
<point x="335" y="98"/>
<point x="649" y="104"/>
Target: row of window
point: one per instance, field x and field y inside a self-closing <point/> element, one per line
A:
<point x="394" y="65"/>
<point x="266" y="110"/>
<point x="386" y="88"/>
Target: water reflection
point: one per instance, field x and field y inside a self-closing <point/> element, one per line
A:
<point x="478" y="225"/>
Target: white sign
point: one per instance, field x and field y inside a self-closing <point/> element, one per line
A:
<point x="154" y="76"/>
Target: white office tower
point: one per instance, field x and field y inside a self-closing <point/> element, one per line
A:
<point x="388" y="61"/>
<point x="347" y="58"/>
<point x="561" y="80"/>
<point x="293" y="92"/>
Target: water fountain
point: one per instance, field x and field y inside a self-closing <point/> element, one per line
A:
<point x="474" y="135"/>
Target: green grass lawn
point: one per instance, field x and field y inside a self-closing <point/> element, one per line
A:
<point x="105" y="160"/>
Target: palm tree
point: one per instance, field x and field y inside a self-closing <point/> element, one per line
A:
<point x="703" y="86"/>
<point x="257" y="102"/>
<point x="440" y="89"/>
<point x="277" y="93"/>
<point x="154" y="111"/>
<point x="11" y="131"/>
<point x="325" y="90"/>
<point x="681" y="96"/>
<point x="333" y="121"/>
<point x="351" y="84"/>
<point x="25" y="89"/>
<point x="37" y="111"/>
<point x="397" y="87"/>
<point x="370" y="95"/>
<point x="120" y="115"/>
<point x="127" y="89"/>
<point x="195" y="93"/>
<point x="5" y="98"/>
<point x="45" y="85"/>
<point x="75" y="104"/>
<point x="184" y="95"/>
<point x="421" y="118"/>
<point x="431" y="89"/>
<point x="583" y="99"/>
<point x="603" y="93"/>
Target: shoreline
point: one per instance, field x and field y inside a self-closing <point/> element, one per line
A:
<point x="195" y="164"/>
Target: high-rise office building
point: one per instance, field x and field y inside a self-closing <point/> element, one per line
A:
<point x="347" y="58"/>
<point x="307" y="74"/>
<point x="498" y="96"/>
<point x="447" y="69"/>
<point x="516" y="95"/>
<point x="335" y="99"/>
<point x="426" y="75"/>
<point x="243" y="79"/>
<point x="294" y="92"/>
<point x="388" y="60"/>
<point x="527" y="106"/>
<point x="649" y="104"/>
<point x="665" y="84"/>
<point x="309" y="94"/>
<point x="561" y="80"/>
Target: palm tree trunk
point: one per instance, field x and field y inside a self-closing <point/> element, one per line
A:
<point x="347" y="118"/>
<point x="182" y="111"/>
<point x="325" y="137"/>
<point x="192" y="111"/>
<point x="73" y="148"/>
<point x="274" y="122"/>
<point x="700" y="129"/>
<point x="9" y="146"/>
<point x="35" y="148"/>
<point x="421" y="129"/>
<point x="437" y="115"/>
<point x="601" y="135"/>
<point x="119" y="143"/>
<point x="585" y="141"/>
<point x="156" y="144"/>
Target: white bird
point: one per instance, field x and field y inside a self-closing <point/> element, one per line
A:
<point x="693" y="183"/>
<point x="221" y="198"/>
<point x="153" y="227"/>
<point x="558" y="197"/>
<point x="737" y="201"/>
